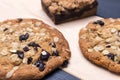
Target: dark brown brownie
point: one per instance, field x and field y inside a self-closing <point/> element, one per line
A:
<point x="65" y="10"/>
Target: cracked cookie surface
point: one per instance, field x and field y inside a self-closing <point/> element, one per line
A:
<point x="30" y="49"/>
<point x="100" y="43"/>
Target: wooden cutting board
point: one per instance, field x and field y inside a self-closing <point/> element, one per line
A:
<point x="79" y="66"/>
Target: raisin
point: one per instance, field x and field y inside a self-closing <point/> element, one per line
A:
<point x="5" y="29"/>
<point x="108" y="46"/>
<point x="53" y="44"/>
<point x="36" y="48"/>
<point x="29" y="60"/>
<point x="55" y="53"/>
<point x="65" y="63"/>
<point x="118" y="62"/>
<point x="24" y="37"/>
<point x="111" y="56"/>
<point x="40" y="65"/>
<point x="26" y="49"/>
<point x="33" y="44"/>
<point x="44" y="55"/>
<point x="20" y="20"/>
<point x="99" y="22"/>
<point x="20" y="54"/>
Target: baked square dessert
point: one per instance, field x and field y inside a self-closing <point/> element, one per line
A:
<point x="100" y="43"/>
<point x="65" y="10"/>
<point x="30" y="49"/>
